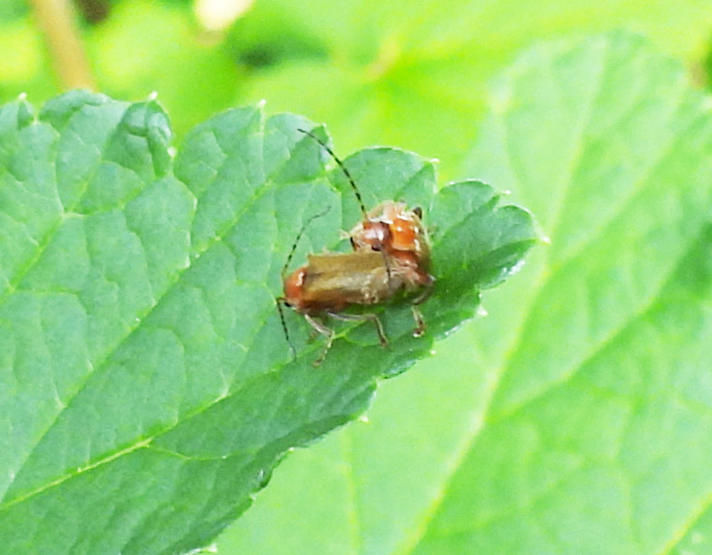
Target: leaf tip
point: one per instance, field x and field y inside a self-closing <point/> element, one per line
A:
<point x="22" y="97"/>
<point x="262" y="103"/>
<point x="153" y="95"/>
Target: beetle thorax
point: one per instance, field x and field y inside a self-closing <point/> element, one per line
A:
<point x="391" y="227"/>
<point x="371" y="234"/>
<point x="294" y="286"/>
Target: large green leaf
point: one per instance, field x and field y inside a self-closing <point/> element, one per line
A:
<point x="146" y="388"/>
<point x="577" y="417"/>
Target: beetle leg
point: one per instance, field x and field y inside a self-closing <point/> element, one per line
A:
<point x="322" y="329"/>
<point x="417" y="315"/>
<point x="419" y="322"/>
<point x="388" y="269"/>
<point x="362" y="318"/>
<point x="428" y="282"/>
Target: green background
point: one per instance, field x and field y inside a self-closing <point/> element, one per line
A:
<point x="575" y="417"/>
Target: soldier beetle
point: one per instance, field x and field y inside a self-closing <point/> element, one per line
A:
<point x="331" y="282"/>
<point x="398" y="234"/>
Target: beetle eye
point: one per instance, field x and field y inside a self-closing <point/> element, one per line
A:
<point x="418" y="211"/>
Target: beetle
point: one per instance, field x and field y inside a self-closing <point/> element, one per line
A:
<point x="329" y="283"/>
<point x="332" y="282"/>
<point x="398" y="234"/>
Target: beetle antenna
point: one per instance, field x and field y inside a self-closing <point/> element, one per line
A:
<point x="342" y="166"/>
<point x="299" y="236"/>
<point x="280" y="300"/>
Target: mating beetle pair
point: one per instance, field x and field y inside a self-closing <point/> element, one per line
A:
<point x="391" y="255"/>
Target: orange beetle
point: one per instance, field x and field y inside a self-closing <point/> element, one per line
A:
<point x="399" y="235"/>
<point x="331" y="282"/>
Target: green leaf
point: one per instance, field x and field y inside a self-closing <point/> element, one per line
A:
<point x="577" y="417"/>
<point x="146" y="388"/>
<point x="415" y="74"/>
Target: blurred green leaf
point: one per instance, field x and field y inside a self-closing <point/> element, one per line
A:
<point x="577" y="417"/>
<point x="411" y="74"/>
<point x="414" y="74"/>
<point x="25" y="67"/>
<point x="145" y="383"/>
<point x="147" y="46"/>
<point x="141" y="48"/>
<point x="13" y="9"/>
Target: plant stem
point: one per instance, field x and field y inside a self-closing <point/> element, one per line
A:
<point x="57" y="21"/>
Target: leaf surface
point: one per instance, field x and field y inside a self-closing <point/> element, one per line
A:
<point x="147" y="389"/>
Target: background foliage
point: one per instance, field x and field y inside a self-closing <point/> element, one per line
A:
<point x="622" y="437"/>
